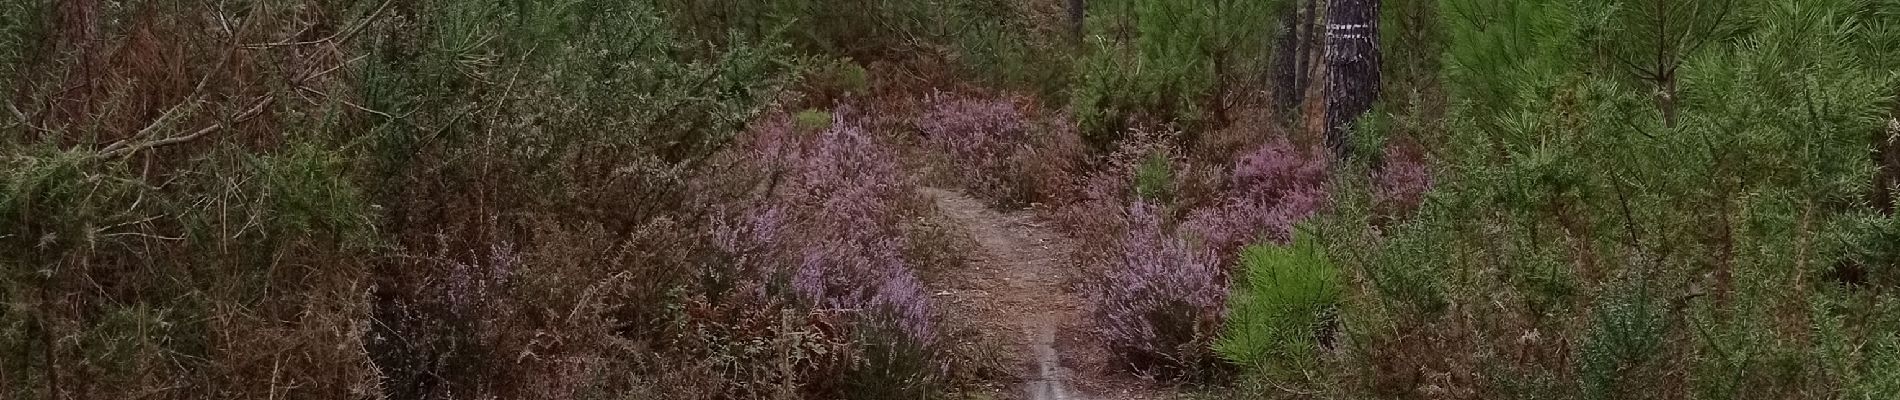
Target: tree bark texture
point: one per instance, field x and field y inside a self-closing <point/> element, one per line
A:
<point x="1352" y="64"/>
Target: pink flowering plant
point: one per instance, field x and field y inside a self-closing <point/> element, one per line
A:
<point x="1161" y="301"/>
<point x="1270" y="189"/>
<point x="981" y="136"/>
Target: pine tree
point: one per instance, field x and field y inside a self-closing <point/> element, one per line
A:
<point x="1176" y="60"/>
<point x="1292" y="51"/>
<point x="1651" y="38"/>
<point x="1352" y="65"/>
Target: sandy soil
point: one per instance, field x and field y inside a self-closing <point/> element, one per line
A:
<point x="1018" y="293"/>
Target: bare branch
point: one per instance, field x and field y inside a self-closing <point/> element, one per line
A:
<point x="334" y="38"/>
<point x="247" y="115"/>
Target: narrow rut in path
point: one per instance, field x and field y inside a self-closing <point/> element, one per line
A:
<point x="1017" y="293"/>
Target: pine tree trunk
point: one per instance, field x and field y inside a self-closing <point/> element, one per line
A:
<point x="1309" y="50"/>
<point x="1352" y="64"/>
<point x="1076" y="14"/>
<point x="1285" y="65"/>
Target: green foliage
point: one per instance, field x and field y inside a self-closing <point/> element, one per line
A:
<point x="844" y="76"/>
<point x="1281" y="311"/>
<point x="308" y="192"/>
<point x="1013" y="51"/>
<point x="1619" y="348"/>
<point x="1681" y="208"/>
<point x="1867" y="246"/>
<point x="1154" y="178"/>
<point x="1167" y="61"/>
<point x="1408" y="270"/>
<point x="52" y="200"/>
<point x="1881" y="365"/>
<point x="611" y="67"/>
<point x="811" y="120"/>
<point x="891" y="367"/>
<point x="20" y="29"/>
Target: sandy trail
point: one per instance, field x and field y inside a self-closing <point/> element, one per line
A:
<point x="1018" y="293"/>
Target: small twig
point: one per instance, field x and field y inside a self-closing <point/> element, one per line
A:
<point x="144" y="235"/>
<point x="156" y="123"/>
<point x="125" y="224"/>
<point x="277" y="367"/>
<point x="247" y="115"/>
<point x="334" y="38"/>
<point x="338" y="66"/>
<point x="326" y="95"/>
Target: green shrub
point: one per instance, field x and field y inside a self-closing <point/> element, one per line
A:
<point x="20" y="29"/>
<point x="1013" y="52"/>
<point x="1408" y="269"/>
<point x="892" y="367"/>
<point x="1867" y="245"/>
<point x="1114" y="87"/>
<point x="1609" y="230"/>
<point x="1881" y="366"/>
<point x="1281" y="313"/>
<point x="1168" y="61"/>
<point x="826" y="81"/>
<point x="1618" y="351"/>
<point x="308" y="191"/>
<point x="1154" y="178"/>
<point x="811" y="121"/>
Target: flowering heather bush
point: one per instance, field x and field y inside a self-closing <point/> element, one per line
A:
<point x="1271" y="188"/>
<point x="1161" y="302"/>
<point x="981" y="136"/>
<point x="818" y="231"/>
<point x="1103" y="195"/>
<point x="831" y="225"/>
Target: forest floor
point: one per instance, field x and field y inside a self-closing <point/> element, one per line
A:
<point x="1020" y="293"/>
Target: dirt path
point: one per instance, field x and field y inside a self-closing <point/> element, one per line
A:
<point x="1018" y="292"/>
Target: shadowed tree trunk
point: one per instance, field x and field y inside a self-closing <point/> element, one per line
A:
<point x="1293" y="52"/>
<point x="1284" y="66"/>
<point x="1077" y="10"/>
<point x="1352" y="64"/>
<point x="1309" y="51"/>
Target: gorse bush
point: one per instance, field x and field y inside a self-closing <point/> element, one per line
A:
<point x="173" y="223"/>
<point x="811" y="121"/>
<point x="1867" y="245"/>
<point x="440" y="200"/>
<point x="831" y="81"/>
<point x="1281" y="314"/>
<point x="18" y="28"/>
<point x="547" y="128"/>
<point x="713" y="199"/>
